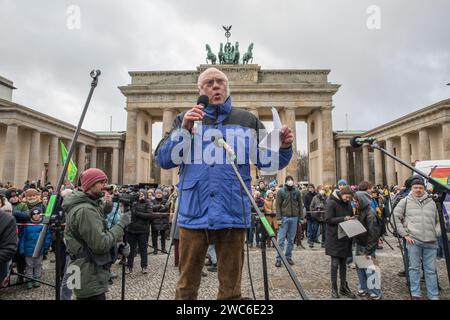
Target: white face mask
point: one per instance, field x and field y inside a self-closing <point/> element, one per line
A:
<point x="290" y="183"/>
<point x="322" y="192"/>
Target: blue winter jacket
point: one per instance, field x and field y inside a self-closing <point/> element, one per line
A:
<point x="29" y="237"/>
<point x="210" y="195"/>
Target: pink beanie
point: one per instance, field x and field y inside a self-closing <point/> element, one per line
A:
<point x="90" y="177"/>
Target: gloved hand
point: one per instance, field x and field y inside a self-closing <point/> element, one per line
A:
<point x="125" y="250"/>
<point x="125" y="219"/>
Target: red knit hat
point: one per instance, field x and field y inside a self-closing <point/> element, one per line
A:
<point x="90" y="177"/>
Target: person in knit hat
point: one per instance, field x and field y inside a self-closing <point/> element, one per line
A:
<point x="33" y="200"/>
<point x="86" y="227"/>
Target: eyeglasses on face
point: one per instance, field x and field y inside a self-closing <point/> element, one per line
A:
<point x="209" y="83"/>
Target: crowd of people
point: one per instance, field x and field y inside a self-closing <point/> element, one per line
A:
<point x="295" y="213"/>
<point x="298" y="212"/>
<point x="151" y="211"/>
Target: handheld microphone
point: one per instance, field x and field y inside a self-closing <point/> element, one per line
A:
<point x="357" y="141"/>
<point x="203" y="101"/>
<point x="221" y="143"/>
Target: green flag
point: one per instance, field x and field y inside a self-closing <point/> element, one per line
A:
<point x="71" y="169"/>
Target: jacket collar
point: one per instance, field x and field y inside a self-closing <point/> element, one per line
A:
<point x="219" y="112"/>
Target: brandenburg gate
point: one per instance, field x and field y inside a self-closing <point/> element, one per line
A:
<point x="298" y="95"/>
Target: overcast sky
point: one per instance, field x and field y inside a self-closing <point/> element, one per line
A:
<point x="385" y="72"/>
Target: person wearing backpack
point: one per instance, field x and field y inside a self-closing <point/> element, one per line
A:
<point x="366" y="244"/>
<point x="290" y="208"/>
<point x="417" y="222"/>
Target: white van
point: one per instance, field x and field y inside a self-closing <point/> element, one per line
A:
<point x="438" y="169"/>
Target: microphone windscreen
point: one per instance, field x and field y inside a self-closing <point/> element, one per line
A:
<point x="203" y="100"/>
<point x="354" y="143"/>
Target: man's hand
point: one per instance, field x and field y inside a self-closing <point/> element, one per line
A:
<point x="196" y="113"/>
<point x="346" y="218"/>
<point x="107" y="197"/>
<point x="286" y="136"/>
<point x="409" y="240"/>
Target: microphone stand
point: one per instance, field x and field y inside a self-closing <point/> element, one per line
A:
<point x="440" y="192"/>
<point x="265" y="223"/>
<point x="263" y="238"/>
<point x="57" y="199"/>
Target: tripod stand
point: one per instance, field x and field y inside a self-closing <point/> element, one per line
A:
<point x="270" y="233"/>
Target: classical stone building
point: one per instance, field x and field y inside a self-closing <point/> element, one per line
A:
<point x="420" y="135"/>
<point x="30" y="148"/>
<point x="299" y="95"/>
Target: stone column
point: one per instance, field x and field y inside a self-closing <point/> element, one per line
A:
<point x="166" y="175"/>
<point x="378" y="164"/>
<point x="446" y="140"/>
<point x="81" y="157"/>
<point x="366" y="168"/>
<point x="390" y="167"/>
<point x="131" y="149"/>
<point x="115" y="166"/>
<point x="253" y="168"/>
<point x="53" y="161"/>
<point x="150" y="136"/>
<point x="9" y="153"/>
<point x="405" y="155"/>
<point x="328" y="153"/>
<point x="424" y="145"/>
<point x="93" y="163"/>
<point x="351" y="167"/>
<point x="343" y="162"/>
<point x="292" y="167"/>
<point x="359" y="168"/>
<point x="34" y="171"/>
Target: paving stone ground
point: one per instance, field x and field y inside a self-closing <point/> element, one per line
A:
<point x="311" y="266"/>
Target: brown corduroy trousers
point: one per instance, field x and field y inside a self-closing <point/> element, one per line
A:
<point x="193" y="246"/>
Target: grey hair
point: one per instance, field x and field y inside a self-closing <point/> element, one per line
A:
<point x="200" y="77"/>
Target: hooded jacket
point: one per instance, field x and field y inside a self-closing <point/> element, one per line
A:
<point x="86" y="225"/>
<point x="204" y="202"/>
<point x="367" y="217"/>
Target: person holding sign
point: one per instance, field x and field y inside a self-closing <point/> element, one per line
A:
<point x="338" y="210"/>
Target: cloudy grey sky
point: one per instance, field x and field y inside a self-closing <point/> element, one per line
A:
<point x="385" y="73"/>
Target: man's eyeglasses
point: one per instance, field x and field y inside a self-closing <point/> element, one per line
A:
<point x="210" y="83"/>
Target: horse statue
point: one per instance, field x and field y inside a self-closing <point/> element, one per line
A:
<point x="236" y="53"/>
<point x="210" y="55"/>
<point x="248" y="55"/>
<point x="221" y="55"/>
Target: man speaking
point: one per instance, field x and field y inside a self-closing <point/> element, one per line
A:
<point x="213" y="208"/>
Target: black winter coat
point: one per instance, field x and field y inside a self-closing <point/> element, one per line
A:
<point x="160" y="215"/>
<point x="335" y="213"/>
<point x="8" y="241"/>
<point x="140" y="218"/>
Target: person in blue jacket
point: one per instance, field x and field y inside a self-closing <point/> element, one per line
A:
<point x="213" y="208"/>
<point x="28" y="239"/>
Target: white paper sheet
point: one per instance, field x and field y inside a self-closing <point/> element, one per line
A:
<point x="350" y="228"/>
<point x="362" y="262"/>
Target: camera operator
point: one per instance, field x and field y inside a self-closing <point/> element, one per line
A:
<point x="138" y="231"/>
<point x="91" y="246"/>
<point x="160" y="221"/>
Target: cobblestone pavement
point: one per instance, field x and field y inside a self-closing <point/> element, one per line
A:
<point x="311" y="265"/>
